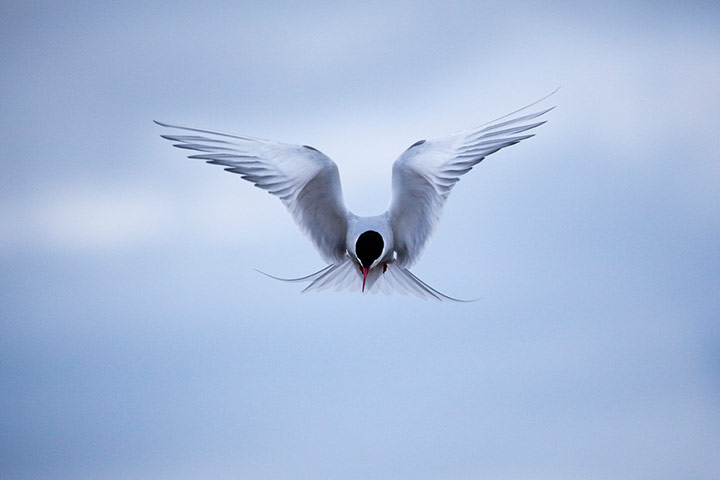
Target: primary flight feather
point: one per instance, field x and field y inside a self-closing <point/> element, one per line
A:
<point x="363" y="253"/>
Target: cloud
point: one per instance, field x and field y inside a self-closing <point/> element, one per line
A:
<point x="110" y="217"/>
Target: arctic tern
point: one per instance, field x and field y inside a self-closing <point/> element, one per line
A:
<point x="363" y="253"/>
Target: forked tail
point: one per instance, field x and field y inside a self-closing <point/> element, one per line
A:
<point x="348" y="276"/>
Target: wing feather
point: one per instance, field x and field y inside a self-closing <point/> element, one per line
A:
<point x="425" y="174"/>
<point x="304" y="179"/>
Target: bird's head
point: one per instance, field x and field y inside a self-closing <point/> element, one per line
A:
<point x="369" y="249"/>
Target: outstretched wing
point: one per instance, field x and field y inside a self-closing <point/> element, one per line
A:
<point x="424" y="175"/>
<point x="305" y="179"/>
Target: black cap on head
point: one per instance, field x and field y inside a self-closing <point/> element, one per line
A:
<point x="369" y="247"/>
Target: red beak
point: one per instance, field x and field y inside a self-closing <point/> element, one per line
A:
<point x="364" y="270"/>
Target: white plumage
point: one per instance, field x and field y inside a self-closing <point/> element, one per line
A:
<point x="372" y="253"/>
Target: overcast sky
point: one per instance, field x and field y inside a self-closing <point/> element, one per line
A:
<point x="136" y="341"/>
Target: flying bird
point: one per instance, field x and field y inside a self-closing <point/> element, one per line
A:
<point x="363" y="253"/>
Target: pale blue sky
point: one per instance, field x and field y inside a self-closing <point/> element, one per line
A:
<point x="137" y="342"/>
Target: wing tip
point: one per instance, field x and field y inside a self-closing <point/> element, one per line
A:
<point x="535" y="115"/>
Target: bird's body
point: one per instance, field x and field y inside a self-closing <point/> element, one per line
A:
<point x="365" y="253"/>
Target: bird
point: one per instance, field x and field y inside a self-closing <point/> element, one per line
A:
<point x="366" y="253"/>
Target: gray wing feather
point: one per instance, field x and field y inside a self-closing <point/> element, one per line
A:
<point x="304" y="179"/>
<point x="425" y="174"/>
